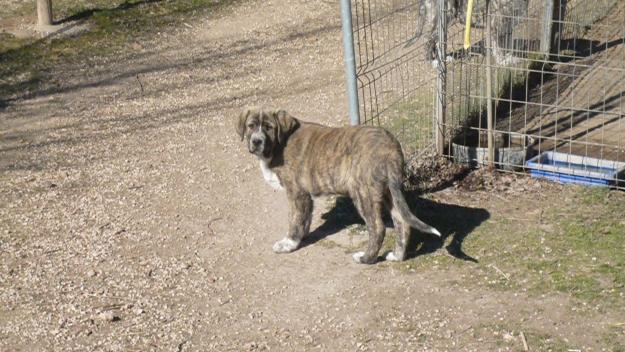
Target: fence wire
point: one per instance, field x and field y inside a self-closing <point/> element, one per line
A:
<point x="557" y="82"/>
<point x="396" y="88"/>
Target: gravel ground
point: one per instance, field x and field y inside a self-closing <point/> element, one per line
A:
<point x="133" y="219"/>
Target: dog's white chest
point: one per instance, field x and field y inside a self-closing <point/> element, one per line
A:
<point x="270" y="176"/>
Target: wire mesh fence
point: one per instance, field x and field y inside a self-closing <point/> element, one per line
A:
<point x="395" y="86"/>
<point x="552" y="74"/>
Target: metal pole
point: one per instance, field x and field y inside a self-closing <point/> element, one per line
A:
<point x="489" y="90"/>
<point x="441" y="77"/>
<point x="350" y="62"/>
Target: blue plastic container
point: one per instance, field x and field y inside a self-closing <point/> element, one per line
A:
<point x="568" y="168"/>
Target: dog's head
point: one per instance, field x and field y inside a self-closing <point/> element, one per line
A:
<point x="264" y="132"/>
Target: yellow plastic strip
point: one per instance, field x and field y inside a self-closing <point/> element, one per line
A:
<point x="467" y="26"/>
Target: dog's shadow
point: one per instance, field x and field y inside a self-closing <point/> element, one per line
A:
<point x="451" y="220"/>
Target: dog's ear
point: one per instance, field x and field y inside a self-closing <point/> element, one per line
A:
<point x="286" y="124"/>
<point x="240" y="123"/>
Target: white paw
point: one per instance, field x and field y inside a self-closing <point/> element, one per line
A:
<point x="434" y="64"/>
<point x="285" y="245"/>
<point x="391" y="257"/>
<point x="357" y="256"/>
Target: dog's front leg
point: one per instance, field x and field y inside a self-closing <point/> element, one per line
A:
<point x="300" y="215"/>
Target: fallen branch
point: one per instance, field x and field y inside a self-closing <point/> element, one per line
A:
<point x="210" y="222"/>
<point x="140" y="84"/>
<point x="506" y="276"/>
<point x="524" y="340"/>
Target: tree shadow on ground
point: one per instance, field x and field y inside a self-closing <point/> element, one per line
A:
<point x="451" y="220"/>
<point x="88" y="13"/>
<point x="11" y="92"/>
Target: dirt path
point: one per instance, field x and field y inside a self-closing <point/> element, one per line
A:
<point x="579" y="104"/>
<point x="133" y="219"/>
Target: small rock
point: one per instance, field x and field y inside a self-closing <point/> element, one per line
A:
<point x="138" y="311"/>
<point x="108" y="316"/>
<point x="91" y="273"/>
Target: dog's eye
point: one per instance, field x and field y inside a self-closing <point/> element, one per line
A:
<point x="267" y="126"/>
<point x="251" y="125"/>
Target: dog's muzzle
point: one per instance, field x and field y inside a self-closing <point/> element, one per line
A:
<point x="257" y="144"/>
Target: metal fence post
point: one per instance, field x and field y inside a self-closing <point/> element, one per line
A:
<point x="489" y="89"/>
<point x="441" y="77"/>
<point x="350" y="62"/>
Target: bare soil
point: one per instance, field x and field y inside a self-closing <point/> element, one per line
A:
<point x="133" y="219"/>
<point x="576" y="106"/>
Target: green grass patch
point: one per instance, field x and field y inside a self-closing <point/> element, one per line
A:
<point x="506" y="335"/>
<point x="328" y="243"/>
<point x="10" y="42"/>
<point x="614" y="338"/>
<point x="540" y="341"/>
<point x="113" y="25"/>
<point x="576" y="248"/>
<point x="583" y="253"/>
<point x="411" y="120"/>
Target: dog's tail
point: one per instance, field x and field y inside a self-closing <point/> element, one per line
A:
<point x="399" y="202"/>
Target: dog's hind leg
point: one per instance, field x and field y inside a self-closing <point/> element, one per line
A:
<point x="402" y="230"/>
<point x="300" y="215"/>
<point x="371" y="210"/>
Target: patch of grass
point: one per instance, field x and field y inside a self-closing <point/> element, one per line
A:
<point x="615" y="271"/>
<point x="594" y="195"/>
<point x="545" y="342"/>
<point x="569" y="269"/>
<point x="583" y="255"/>
<point x="508" y="335"/>
<point x="422" y="338"/>
<point x="426" y="262"/>
<point x="61" y="9"/>
<point x="614" y="338"/>
<point x="327" y="243"/>
<point x="113" y="26"/>
<point x="410" y="120"/>
<point x="581" y="286"/>
<point x="357" y="234"/>
<point x="389" y="241"/>
<point x="576" y="248"/>
<point x="10" y="42"/>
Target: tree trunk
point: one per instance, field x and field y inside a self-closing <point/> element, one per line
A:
<point x="44" y="12"/>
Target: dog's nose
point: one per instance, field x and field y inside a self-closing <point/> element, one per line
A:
<point x="257" y="142"/>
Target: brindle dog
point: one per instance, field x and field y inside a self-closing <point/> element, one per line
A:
<point x="307" y="160"/>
